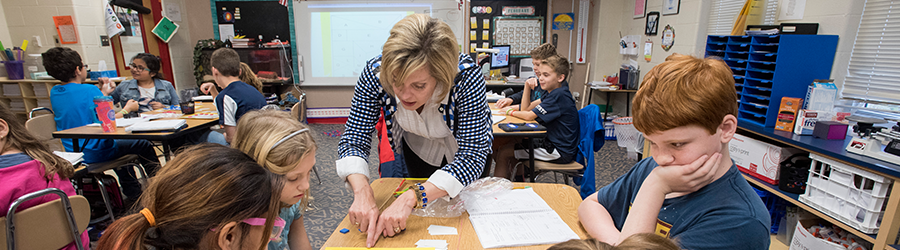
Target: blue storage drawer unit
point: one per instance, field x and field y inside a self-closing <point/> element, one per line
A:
<point x="767" y="68"/>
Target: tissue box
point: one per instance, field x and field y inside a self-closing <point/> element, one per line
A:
<point x="830" y="130"/>
<point x="820" y="95"/>
<point x="806" y="121"/>
<point x="94" y="75"/>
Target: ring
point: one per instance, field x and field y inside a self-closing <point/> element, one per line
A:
<point x="357" y="223"/>
<point x="396" y="230"/>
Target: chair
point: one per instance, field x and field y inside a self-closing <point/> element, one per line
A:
<point x="50" y="225"/>
<point x="38" y="125"/>
<point x="43" y="126"/>
<point x="295" y="112"/>
<point x="581" y="170"/>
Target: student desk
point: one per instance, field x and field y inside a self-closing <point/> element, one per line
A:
<point x="525" y="135"/>
<point x="95" y="132"/>
<point x="562" y="198"/>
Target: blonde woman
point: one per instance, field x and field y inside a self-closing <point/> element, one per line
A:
<point x="437" y="118"/>
<point x="284" y="146"/>
<point x="249" y="77"/>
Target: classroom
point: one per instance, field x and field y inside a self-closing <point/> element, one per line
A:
<point x="449" y="124"/>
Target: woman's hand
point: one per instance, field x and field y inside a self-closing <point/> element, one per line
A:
<point x="363" y="212"/>
<point x="157" y="105"/>
<point x="393" y="220"/>
<point x="131" y="106"/>
<point x="502" y="103"/>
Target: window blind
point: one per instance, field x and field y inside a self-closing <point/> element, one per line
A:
<point x="722" y="14"/>
<point x="874" y="70"/>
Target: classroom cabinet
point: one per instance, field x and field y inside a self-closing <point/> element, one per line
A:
<point x="767" y="68"/>
<point x="21" y="96"/>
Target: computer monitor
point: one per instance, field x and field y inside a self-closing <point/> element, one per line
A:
<point x="501" y="59"/>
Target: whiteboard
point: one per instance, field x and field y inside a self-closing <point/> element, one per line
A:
<point x="335" y="39"/>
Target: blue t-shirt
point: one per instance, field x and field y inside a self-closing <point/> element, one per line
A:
<point x="235" y="100"/>
<point x="557" y="112"/>
<point x="14" y="159"/>
<point x="289" y="215"/>
<point x="726" y="214"/>
<point x="73" y="106"/>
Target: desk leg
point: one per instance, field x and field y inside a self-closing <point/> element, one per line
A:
<point x="166" y="150"/>
<point x="530" y="167"/>
<point x="606" y="109"/>
<point x="75" y="146"/>
<point x="627" y="104"/>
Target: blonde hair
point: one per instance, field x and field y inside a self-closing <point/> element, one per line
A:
<point x="19" y="138"/>
<point x="249" y="77"/>
<point x="634" y="242"/>
<point x="559" y="65"/>
<point x="542" y="52"/>
<point x="685" y="90"/>
<point x="258" y="131"/>
<point x="417" y="41"/>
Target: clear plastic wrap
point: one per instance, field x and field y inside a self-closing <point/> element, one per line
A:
<point x="447" y="208"/>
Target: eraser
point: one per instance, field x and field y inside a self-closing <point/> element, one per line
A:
<point x="343" y="231"/>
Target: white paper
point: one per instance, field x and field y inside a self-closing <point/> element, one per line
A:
<point x="791" y="9"/>
<point x="496" y="119"/>
<point x="113" y="25"/>
<point x="436" y="244"/>
<point x="803" y="240"/>
<point x="630" y="43"/>
<point x="173" y="12"/>
<point x="519" y="217"/>
<point x="157" y="125"/>
<point x="226" y="32"/>
<point x="442" y="230"/>
<point x="72" y="157"/>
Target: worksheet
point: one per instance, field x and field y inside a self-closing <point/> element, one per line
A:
<point x="518" y="218"/>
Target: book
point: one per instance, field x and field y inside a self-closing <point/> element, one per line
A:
<point x="72" y="157"/>
<point x="158" y="126"/>
<point x="518" y="218"/>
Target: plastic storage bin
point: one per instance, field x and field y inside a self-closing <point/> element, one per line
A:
<point x="851" y="195"/>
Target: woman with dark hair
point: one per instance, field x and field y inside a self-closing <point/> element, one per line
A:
<point x="147" y="88"/>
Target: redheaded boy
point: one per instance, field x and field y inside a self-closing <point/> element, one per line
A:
<point x="689" y="189"/>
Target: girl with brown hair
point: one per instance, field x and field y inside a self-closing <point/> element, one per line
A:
<point x="284" y="146"/>
<point x="208" y="197"/>
<point x="27" y="165"/>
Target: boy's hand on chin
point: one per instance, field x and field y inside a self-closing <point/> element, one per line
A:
<point x="686" y="178"/>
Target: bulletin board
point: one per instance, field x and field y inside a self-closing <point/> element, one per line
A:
<point x="482" y="33"/>
<point x="522" y="34"/>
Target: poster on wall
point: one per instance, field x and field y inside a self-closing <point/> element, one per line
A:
<point x="522" y="34"/>
<point x="165" y="29"/>
<point x="563" y="21"/>
<point x="671" y="7"/>
<point x="640" y="7"/>
<point x="65" y="28"/>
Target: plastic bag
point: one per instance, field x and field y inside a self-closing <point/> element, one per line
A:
<point x="478" y="189"/>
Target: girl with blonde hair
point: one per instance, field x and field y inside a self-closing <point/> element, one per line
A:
<point x="284" y="146"/>
<point x="208" y="197"/>
<point x="437" y="118"/>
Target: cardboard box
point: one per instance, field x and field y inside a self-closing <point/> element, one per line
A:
<point x="787" y="113"/>
<point x="806" y="121"/>
<point x="758" y="159"/>
<point x="820" y="96"/>
<point x="804" y="240"/>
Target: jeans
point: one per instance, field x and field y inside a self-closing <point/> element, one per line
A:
<point x="147" y="156"/>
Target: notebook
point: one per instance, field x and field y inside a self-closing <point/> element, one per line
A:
<point x="158" y="126"/>
<point x="519" y="218"/>
<point x="72" y="157"/>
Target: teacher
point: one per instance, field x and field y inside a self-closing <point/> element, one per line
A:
<point x="437" y="118"/>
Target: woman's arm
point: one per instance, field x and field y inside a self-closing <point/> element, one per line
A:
<point x="297" y="237"/>
<point x="174" y="98"/>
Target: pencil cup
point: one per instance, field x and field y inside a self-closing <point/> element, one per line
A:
<point x="14" y="69"/>
<point x="105" y="113"/>
<point x="187" y="107"/>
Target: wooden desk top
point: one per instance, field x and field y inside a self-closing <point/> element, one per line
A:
<point x="562" y="198"/>
<point x="499" y="132"/>
<point x="96" y="132"/>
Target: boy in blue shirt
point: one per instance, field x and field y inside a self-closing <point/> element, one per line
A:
<point x="556" y="111"/>
<point x="689" y="189"/>
<point x="73" y="106"/>
<point x="237" y="97"/>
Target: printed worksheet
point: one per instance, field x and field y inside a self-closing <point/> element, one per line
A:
<point x="519" y="218"/>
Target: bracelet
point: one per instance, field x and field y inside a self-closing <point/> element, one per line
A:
<point x="421" y="199"/>
<point x="509" y="111"/>
<point x="123" y="111"/>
